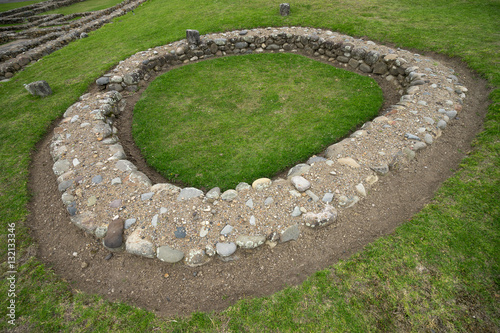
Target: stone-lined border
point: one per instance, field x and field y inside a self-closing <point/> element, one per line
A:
<point x="107" y="196"/>
<point x="44" y="41"/>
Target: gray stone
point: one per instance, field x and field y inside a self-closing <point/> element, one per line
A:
<point x="241" y="45"/>
<point x="67" y="198"/>
<point x="39" y="88"/>
<point x="243" y="187"/>
<point x="380" y="68"/>
<point x="290" y="233"/>
<point x="136" y="245"/>
<point x="168" y="254"/>
<point x="284" y="9"/>
<point x="147" y="196"/>
<point x="195" y="258"/>
<point x="382" y="169"/>
<point x="60" y="167"/>
<point x="165" y="187"/>
<point x="226" y="230"/>
<point x="131" y="78"/>
<point x="84" y="35"/>
<point x="272" y="47"/>
<point x="154" y="220"/>
<point x="451" y="114"/>
<point x="410" y="136"/>
<point x="300" y="183"/>
<point x="365" y="68"/>
<point x="428" y="139"/>
<point x="249" y="203"/>
<point x="115" y="203"/>
<point x="63" y="186"/>
<point x="296" y="211"/>
<point x="115" y="87"/>
<point x="116" y="181"/>
<point x="125" y="165"/>
<point x="328" y="197"/>
<point x="193" y="36"/>
<point x="213" y="194"/>
<point x="372" y="57"/>
<point x="204" y="231"/>
<point x="327" y="216"/>
<point x="229" y="195"/>
<point x="189" y="193"/>
<point x="313" y="196"/>
<point x="429" y="120"/>
<point x="252" y="220"/>
<point x="102" y="81"/>
<point x="298" y="170"/>
<point x="268" y="201"/>
<point x="419" y="146"/>
<point x="441" y="124"/>
<point x="97" y="179"/>
<point x="100" y="232"/>
<point x="334" y="150"/>
<point x="348" y="202"/>
<point x="250" y="242"/>
<point x="138" y="177"/>
<point x="114" y="236"/>
<point x="315" y="159"/>
<point x="129" y="223"/>
<point x="225" y="249"/>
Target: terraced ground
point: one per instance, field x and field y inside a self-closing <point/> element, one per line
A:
<point x="437" y="272"/>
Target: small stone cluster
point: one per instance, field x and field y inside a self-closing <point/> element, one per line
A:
<point x="40" y="35"/>
<point x="107" y="196"/>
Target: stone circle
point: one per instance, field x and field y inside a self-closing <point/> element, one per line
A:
<point x="102" y="190"/>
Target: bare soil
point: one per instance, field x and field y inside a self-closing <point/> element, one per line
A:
<point x="171" y="290"/>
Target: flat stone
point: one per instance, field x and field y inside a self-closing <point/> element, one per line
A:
<point x="100" y="232"/>
<point x="382" y="169"/>
<point x="91" y="201"/>
<point x="328" y="197"/>
<point x="441" y="124"/>
<point x="226" y="230"/>
<point x="189" y="193"/>
<point x="116" y="181"/>
<point x="136" y="245"/>
<point x="60" y="167"/>
<point x="115" y="203"/>
<point x="102" y="81"/>
<point x="229" y="195"/>
<point x="419" y="146"/>
<point x="334" y="150"/>
<point x="243" y="187"/>
<point x="225" y="249"/>
<point x="410" y="136"/>
<point x="147" y="196"/>
<point x="252" y="220"/>
<point x="327" y="216"/>
<point x="360" y="188"/>
<point x="97" y="179"/>
<point x="165" y="187"/>
<point x="268" y="201"/>
<point x="250" y="242"/>
<point x="139" y="178"/>
<point x="261" y="183"/>
<point x="315" y="159"/>
<point x="349" y="162"/>
<point x="129" y="223"/>
<point x="296" y="211"/>
<point x="428" y="139"/>
<point x="86" y="221"/>
<point x="204" y="231"/>
<point x="167" y="254"/>
<point x="213" y="194"/>
<point x="313" y="196"/>
<point x="290" y="233"/>
<point x="249" y="203"/>
<point x="195" y="258"/>
<point x="125" y="165"/>
<point x="298" y="170"/>
<point x="300" y="183"/>
<point x="114" y="236"/>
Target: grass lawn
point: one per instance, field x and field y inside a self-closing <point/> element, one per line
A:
<point x="224" y="121"/>
<point x="13" y="5"/>
<point x="84" y="6"/>
<point x="455" y="239"/>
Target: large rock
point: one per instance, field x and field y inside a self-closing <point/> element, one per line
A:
<point x="250" y="242"/>
<point x="261" y="184"/>
<point x="195" y="258"/>
<point x="284" y="9"/>
<point x="300" y="183"/>
<point x="189" y="193"/>
<point x="229" y="195"/>
<point x="298" y="170"/>
<point x="290" y="233"/>
<point x="168" y="254"/>
<point x="39" y="88"/>
<point x="193" y="36"/>
<point x="136" y="245"/>
<point x="327" y="216"/>
<point x="86" y="221"/>
<point x="114" y="236"/>
<point x="225" y="249"/>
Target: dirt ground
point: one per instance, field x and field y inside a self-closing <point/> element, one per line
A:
<point x="170" y="290"/>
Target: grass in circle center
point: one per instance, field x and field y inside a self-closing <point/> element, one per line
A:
<point x="224" y="121"/>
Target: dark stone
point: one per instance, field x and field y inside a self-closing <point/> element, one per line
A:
<point x="38" y="88"/>
<point x="241" y="45"/>
<point x="380" y="68"/>
<point x="115" y="86"/>
<point x="72" y="209"/>
<point x="114" y="236"/>
<point x="180" y="232"/>
<point x="284" y="9"/>
<point x="358" y="54"/>
<point x="372" y="57"/>
<point x="365" y="68"/>
<point x="193" y="36"/>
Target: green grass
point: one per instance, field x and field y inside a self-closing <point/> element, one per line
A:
<point x="8" y="6"/>
<point x="456" y="238"/>
<point x="84" y="6"/>
<point x="223" y="121"/>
